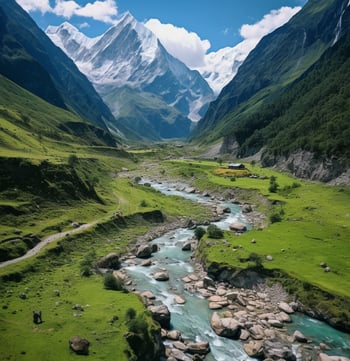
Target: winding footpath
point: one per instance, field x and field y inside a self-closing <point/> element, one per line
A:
<point x="47" y="240"/>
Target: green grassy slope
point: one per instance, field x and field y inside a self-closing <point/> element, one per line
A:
<point x="314" y="227"/>
<point x="30" y="127"/>
<point x="147" y="115"/>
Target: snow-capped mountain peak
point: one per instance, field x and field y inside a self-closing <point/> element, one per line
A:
<point x="129" y="55"/>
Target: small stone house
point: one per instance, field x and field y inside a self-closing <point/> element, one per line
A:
<point x="236" y="166"/>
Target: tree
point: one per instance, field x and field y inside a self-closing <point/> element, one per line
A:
<point x="273" y="184"/>
<point x="199" y="232"/>
<point x="215" y="232"/>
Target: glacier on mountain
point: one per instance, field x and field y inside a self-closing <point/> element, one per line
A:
<point x="129" y="54"/>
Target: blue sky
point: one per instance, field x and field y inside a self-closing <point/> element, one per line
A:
<point x="217" y="23"/>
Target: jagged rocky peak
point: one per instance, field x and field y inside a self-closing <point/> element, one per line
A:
<point x="130" y="55"/>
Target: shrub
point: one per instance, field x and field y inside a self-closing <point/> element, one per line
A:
<point x="275" y="217"/>
<point x="112" y="283"/>
<point x="143" y="203"/>
<point x="72" y="160"/>
<point x="215" y="232"/>
<point x="254" y="257"/>
<point x="273" y="185"/>
<point x="130" y="314"/>
<point x="199" y="232"/>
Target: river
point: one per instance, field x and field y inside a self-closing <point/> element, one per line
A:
<point x="192" y="318"/>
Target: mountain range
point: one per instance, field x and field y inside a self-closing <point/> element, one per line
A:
<point x="129" y="59"/>
<point x="287" y="105"/>
<point x="29" y="58"/>
<point x="282" y="104"/>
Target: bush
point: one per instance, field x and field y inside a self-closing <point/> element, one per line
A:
<point x="275" y="217"/>
<point x="273" y="185"/>
<point x="143" y="203"/>
<point x="130" y="314"/>
<point x="254" y="257"/>
<point x="73" y="160"/>
<point x="215" y="232"/>
<point x="112" y="283"/>
<point x="199" y="232"/>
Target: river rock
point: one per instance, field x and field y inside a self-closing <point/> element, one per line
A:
<point x="225" y="327"/>
<point x="217" y="299"/>
<point x="208" y="282"/>
<point x="238" y="227"/>
<point x="110" y="261"/>
<point x="214" y="306"/>
<point x="146" y="263"/>
<point x="190" y="190"/>
<point x="244" y="335"/>
<point x="178" y="355"/>
<point x="254" y="348"/>
<point x="276" y="350"/>
<point x="79" y="345"/>
<point x="299" y="337"/>
<point x="144" y="251"/>
<point x="179" y="300"/>
<point x="161" y="314"/>
<point x="257" y="332"/>
<point x="148" y="294"/>
<point x="186" y="246"/>
<point x="161" y="276"/>
<point x="200" y="348"/>
<point x="325" y="357"/>
<point x="283" y="306"/>
<point x="173" y="335"/>
<point x="283" y="317"/>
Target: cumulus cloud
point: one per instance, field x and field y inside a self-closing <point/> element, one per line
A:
<point x="252" y="33"/>
<point x="35" y="5"/>
<point x="192" y="50"/>
<point x="102" y="10"/>
<point x="179" y="42"/>
<point x="84" y="25"/>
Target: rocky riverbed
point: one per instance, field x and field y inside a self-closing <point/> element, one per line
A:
<point x="257" y="317"/>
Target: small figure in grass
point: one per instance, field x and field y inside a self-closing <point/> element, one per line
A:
<point x="37" y="317"/>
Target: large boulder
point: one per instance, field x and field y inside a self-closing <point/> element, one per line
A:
<point x="79" y="345"/>
<point x="144" y="251"/>
<point x="225" y="326"/>
<point x="161" y="276"/>
<point x="161" y="314"/>
<point x="111" y="261"/>
<point x="283" y="306"/>
<point x="238" y="227"/>
<point x="254" y="349"/>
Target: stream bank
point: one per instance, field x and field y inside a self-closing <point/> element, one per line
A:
<point x="209" y="312"/>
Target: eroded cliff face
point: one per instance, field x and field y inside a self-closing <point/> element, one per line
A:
<point x="304" y="164"/>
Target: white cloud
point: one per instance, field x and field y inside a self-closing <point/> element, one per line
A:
<point x="102" y="10"/>
<point x="179" y="42"/>
<point x="84" y="25"/>
<point x="192" y="50"/>
<point x="221" y="66"/>
<point x="35" y="5"/>
<point x="276" y="18"/>
<point x="65" y="8"/>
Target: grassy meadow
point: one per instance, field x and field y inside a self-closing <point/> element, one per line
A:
<point x="309" y="223"/>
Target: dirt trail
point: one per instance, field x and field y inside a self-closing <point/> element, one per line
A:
<point x="53" y="237"/>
